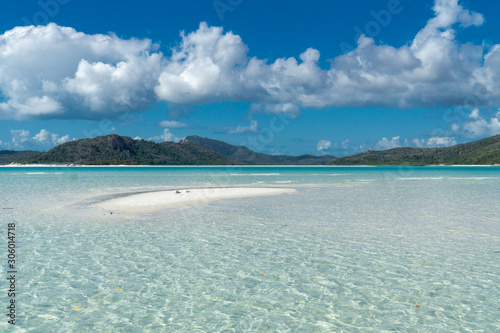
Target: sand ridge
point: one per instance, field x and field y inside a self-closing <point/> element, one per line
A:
<point x="161" y="200"/>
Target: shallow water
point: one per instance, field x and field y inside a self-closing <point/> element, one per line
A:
<point x="354" y="249"/>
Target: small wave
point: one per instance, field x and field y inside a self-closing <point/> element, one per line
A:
<point x="254" y="174"/>
<point x="43" y="173"/>
<point x="329" y="174"/>
<point x="283" y="181"/>
<point x="422" y="178"/>
<point x="475" y="178"/>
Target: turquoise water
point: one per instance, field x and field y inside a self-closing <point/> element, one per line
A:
<point x="353" y="250"/>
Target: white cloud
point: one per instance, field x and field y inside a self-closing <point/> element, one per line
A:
<point x="346" y="148"/>
<point x="477" y="126"/>
<point x="323" y="145"/>
<point x="388" y="144"/>
<point x="343" y="148"/>
<point x="172" y="124"/>
<point x="21" y="139"/>
<point x="45" y="138"/>
<point x="52" y="71"/>
<point x="474" y="114"/>
<point x="204" y="67"/>
<point x="286" y="109"/>
<point x="210" y="65"/>
<point x="165" y="136"/>
<point x="419" y="143"/>
<point x="433" y="70"/>
<point x="435" y="142"/>
<point x="253" y="127"/>
<point x="432" y="142"/>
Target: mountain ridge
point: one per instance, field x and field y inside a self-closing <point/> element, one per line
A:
<point x="114" y="149"/>
<point x="248" y="156"/>
<point x="481" y="152"/>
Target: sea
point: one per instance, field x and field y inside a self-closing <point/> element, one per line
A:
<point x="354" y="249"/>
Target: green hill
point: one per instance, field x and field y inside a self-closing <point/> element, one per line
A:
<point x="194" y="150"/>
<point x="114" y="149"/>
<point x="13" y="156"/>
<point x="247" y="156"/>
<point x="485" y="151"/>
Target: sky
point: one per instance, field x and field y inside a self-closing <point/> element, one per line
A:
<point x="280" y="77"/>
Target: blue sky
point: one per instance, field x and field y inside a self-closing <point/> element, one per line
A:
<point x="281" y="77"/>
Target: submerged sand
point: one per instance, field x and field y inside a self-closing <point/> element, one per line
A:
<point x="161" y="200"/>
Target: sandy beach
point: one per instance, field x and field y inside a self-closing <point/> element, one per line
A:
<point x="161" y="200"/>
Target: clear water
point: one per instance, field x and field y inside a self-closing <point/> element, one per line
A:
<point x="353" y="250"/>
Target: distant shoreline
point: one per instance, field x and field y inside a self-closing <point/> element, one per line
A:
<point x="234" y="166"/>
<point x="117" y="151"/>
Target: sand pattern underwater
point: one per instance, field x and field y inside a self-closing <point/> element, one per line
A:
<point x="374" y="249"/>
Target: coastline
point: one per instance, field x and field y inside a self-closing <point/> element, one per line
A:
<point x="234" y="166"/>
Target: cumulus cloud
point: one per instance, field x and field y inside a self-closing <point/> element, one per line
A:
<point x="323" y="145"/>
<point x="475" y="114"/>
<point x="210" y="65"/>
<point x="477" y="126"/>
<point x="253" y="127"/>
<point x="204" y="67"/>
<point x="22" y="139"/>
<point x="433" y="70"/>
<point x="285" y="109"/>
<point x="345" y="144"/>
<point x="432" y="142"/>
<point x="347" y="148"/>
<point x="57" y="72"/>
<point x="45" y="137"/>
<point x="19" y="137"/>
<point x="388" y="144"/>
<point x="172" y="124"/>
<point x="441" y="142"/>
<point x="165" y="136"/>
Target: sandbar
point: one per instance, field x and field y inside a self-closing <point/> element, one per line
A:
<point x="161" y="200"/>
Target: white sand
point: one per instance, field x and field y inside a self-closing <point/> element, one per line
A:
<point x="157" y="201"/>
